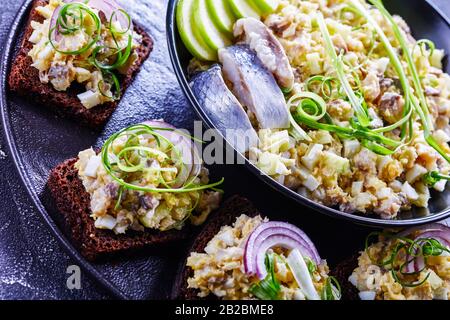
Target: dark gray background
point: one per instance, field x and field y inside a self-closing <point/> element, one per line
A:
<point x="23" y="273"/>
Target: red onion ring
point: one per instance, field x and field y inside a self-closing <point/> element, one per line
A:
<point x="441" y="236"/>
<point x="271" y="234"/>
<point x="435" y="231"/>
<point x="429" y="227"/>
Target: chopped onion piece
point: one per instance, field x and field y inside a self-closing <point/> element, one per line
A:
<point x="301" y="274"/>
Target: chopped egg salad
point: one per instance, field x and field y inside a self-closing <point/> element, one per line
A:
<point x="221" y="269"/>
<point x="404" y="268"/>
<point x="142" y="186"/>
<point x="352" y="169"/>
<point x="81" y="43"/>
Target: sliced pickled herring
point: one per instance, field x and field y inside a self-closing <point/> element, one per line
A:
<point x="269" y="50"/>
<point x="255" y="86"/>
<point x="223" y="109"/>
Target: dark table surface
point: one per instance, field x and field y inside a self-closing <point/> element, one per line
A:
<point x="23" y="232"/>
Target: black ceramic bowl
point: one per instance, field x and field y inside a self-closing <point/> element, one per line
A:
<point x="426" y="21"/>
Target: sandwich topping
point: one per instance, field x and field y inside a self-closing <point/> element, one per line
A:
<point x="410" y="265"/>
<point x="258" y="259"/>
<point x="91" y="43"/>
<point x="147" y="176"/>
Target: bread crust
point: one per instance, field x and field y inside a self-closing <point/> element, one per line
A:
<point x="342" y="272"/>
<point x="73" y="202"/>
<point x="24" y="80"/>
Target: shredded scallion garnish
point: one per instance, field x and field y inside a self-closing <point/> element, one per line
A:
<point x="336" y="60"/>
<point x="79" y="17"/>
<point x="331" y="290"/>
<point x="396" y="263"/>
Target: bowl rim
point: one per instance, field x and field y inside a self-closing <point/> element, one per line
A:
<point x="331" y="212"/>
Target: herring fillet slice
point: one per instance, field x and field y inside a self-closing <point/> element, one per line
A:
<point x="268" y="49"/>
<point x="255" y="86"/>
<point x="223" y="109"/>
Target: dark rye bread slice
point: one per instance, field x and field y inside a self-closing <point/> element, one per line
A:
<point x="342" y="272"/>
<point x="24" y="80"/>
<point x="226" y="215"/>
<point x="73" y="202"/>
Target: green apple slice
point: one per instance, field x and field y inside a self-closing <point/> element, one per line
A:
<point x="266" y="6"/>
<point x="193" y="42"/>
<point x="204" y="24"/>
<point x="244" y="9"/>
<point x="222" y="15"/>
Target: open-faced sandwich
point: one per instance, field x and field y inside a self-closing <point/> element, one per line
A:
<point x="410" y="265"/>
<point x="78" y="57"/>
<point x="242" y="255"/>
<point x="337" y="99"/>
<point x="142" y="188"/>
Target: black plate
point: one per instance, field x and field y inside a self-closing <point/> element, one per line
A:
<point x="38" y="140"/>
<point x="427" y="22"/>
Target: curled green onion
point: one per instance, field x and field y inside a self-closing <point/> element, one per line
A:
<point x="308" y="105"/>
<point x="423" y="44"/>
<point x="121" y="162"/>
<point x="68" y="22"/>
<point x="310" y="108"/>
<point x="418" y="248"/>
<point x="326" y="85"/>
<point x="113" y="82"/>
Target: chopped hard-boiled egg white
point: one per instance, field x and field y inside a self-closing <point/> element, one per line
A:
<point x="416" y="172"/>
<point x="367" y="295"/>
<point x="92" y="166"/>
<point x="313" y="156"/>
<point x="105" y="222"/>
<point x="90" y="99"/>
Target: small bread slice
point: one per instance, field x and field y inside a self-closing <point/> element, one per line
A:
<point x="24" y="80"/>
<point x="73" y="202"/>
<point x="226" y="215"/>
<point x="342" y="272"/>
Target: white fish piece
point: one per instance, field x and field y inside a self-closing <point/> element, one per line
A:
<point x="255" y="86"/>
<point x="267" y="47"/>
<point x="223" y="109"/>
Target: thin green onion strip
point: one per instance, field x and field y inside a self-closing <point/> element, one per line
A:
<point x="65" y="27"/>
<point x="122" y="164"/>
<point x="332" y="289"/>
<point x="423" y="44"/>
<point x="310" y="108"/>
<point x="71" y="20"/>
<point x="407" y="112"/>
<point x="361" y="113"/>
<point x="411" y="65"/>
<point x="418" y="248"/>
<point x="269" y="288"/>
<point x="420" y="104"/>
